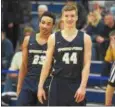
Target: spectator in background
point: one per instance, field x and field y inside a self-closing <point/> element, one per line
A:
<point x="110" y="55"/>
<point x="35" y="20"/>
<point x="95" y="24"/>
<point x="110" y="58"/>
<point x="94" y="27"/>
<point x="28" y="31"/>
<point x="15" y="66"/>
<point x="102" y="40"/>
<point x="59" y="26"/>
<point x="6" y="52"/>
<point x="112" y="10"/>
<point x="16" y="62"/>
<point x="85" y="4"/>
<point x="99" y="8"/>
<point x="26" y="8"/>
<point x="12" y="18"/>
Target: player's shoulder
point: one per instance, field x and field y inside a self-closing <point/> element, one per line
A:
<point x="27" y="38"/>
<point x="86" y="36"/>
<point x="52" y="36"/>
<point x="87" y="39"/>
<point x="51" y="39"/>
<point x="26" y="41"/>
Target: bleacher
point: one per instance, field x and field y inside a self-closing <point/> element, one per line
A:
<point x="53" y="5"/>
<point x="96" y="95"/>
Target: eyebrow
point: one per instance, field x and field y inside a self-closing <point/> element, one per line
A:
<point x="45" y="21"/>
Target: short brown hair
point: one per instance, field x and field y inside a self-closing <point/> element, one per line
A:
<point x="28" y="29"/>
<point x="70" y="8"/>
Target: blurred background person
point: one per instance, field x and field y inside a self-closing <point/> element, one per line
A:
<point x="59" y="26"/>
<point x="99" y="7"/>
<point x="112" y="10"/>
<point x="11" y="78"/>
<point x="12" y="18"/>
<point x="9" y="89"/>
<point x="27" y="31"/>
<point x="6" y="52"/>
<point x="110" y="58"/>
<point x="94" y="27"/>
<point x="35" y="20"/>
<point x="16" y="13"/>
<point x="102" y="39"/>
<point x="16" y="62"/>
<point x="15" y="66"/>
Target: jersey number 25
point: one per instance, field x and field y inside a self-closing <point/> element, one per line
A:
<point x="38" y="59"/>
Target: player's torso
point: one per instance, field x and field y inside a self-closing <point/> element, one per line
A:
<point x="68" y="55"/>
<point x="36" y="57"/>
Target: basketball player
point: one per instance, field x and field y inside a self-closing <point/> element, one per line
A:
<point x="110" y="58"/>
<point x="71" y="50"/>
<point x="34" y="49"/>
<point x="110" y="87"/>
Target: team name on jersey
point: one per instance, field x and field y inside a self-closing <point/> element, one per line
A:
<point x="69" y="49"/>
<point x="39" y="56"/>
<point x="36" y="51"/>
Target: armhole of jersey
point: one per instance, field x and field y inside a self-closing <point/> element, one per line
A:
<point x="31" y="38"/>
<point x="83" y="37"/>
<point x="57" y="36"/>
<point x="83" y="40"/>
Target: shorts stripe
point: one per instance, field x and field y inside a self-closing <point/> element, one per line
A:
<point x="112" y="76"/>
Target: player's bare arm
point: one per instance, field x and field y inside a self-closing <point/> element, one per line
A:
<point x="87" y="60"/>
<point x="23" y="69"/>
<point x="80" y="94"/>
<point x="46" y="68"/>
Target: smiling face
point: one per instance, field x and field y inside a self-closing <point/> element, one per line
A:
<point x="108" y="19"/>
<point x="46" y="25"/>
<point x="91" y="17"/>
<point x="69" y="17"/>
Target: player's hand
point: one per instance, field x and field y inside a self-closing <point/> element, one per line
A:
<point x="99" y="39"/>
<point x="18" y="90"/>
<point x="112" y="42"/>
<point x="10" y="25"/>
<point x="80" y="94"/>
<point x="41" y="95"/>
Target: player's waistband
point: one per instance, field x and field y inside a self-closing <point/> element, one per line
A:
<point x="68" y="79"/>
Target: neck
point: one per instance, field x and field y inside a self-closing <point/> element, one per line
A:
<point x="70" y="32"/>
<point x="45" y="37"/>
